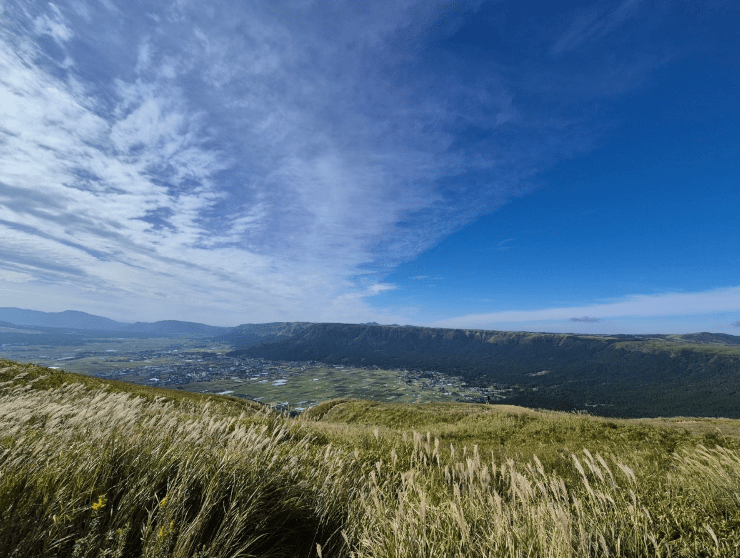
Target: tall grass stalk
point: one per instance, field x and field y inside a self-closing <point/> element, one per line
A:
<point x="94" y="472"/>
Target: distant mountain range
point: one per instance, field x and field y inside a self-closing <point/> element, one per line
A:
<point x="67" y="319"/>
<point x="84" y="322"/>
<point x="614" y="375"/>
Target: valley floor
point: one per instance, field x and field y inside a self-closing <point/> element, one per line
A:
<point x="194" y="364"/>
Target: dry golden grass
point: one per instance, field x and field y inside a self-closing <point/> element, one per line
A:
<point x="89" y="470"/>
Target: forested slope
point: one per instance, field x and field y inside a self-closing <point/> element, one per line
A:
<point x="620" y="375"/>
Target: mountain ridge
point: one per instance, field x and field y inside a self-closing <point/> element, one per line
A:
<point x="615" y="375"/>
<point x="82" y="321"/>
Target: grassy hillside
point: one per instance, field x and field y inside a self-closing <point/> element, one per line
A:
<point x="94" y="468"/>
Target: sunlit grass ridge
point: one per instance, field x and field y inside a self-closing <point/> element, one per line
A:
<point x="92" y="469"/>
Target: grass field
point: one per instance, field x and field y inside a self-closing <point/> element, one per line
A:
<point x="105" y="356"/>
<point x="98" y="468"/>
<point x="301" y="389"/>
<point x="198" y="365"/>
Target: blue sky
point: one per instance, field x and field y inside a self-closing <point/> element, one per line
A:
<point x="545" y="166"/>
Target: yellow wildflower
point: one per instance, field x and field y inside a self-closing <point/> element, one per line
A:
<point x="167" y="531"/>
<point x="100" y="504"/>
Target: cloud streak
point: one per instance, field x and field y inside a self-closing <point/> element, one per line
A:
<point x="586" y="319"/>
<point x="593" y="23"/>
<point x="642" y="306"/>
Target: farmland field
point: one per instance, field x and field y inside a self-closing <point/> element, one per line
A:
<point x="200" y="365"/>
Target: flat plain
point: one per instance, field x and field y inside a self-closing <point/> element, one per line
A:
<point x="200" y="365"/>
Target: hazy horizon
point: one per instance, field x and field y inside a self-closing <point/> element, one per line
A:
<point x="530" y="166"/>
<point x="124" y="322"/>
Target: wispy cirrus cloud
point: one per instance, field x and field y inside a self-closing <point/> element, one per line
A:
<point x="252" y="161"/>
<point x="504" y="244"/>
<point x="235" y="148"/>
<point x="594" y="22"/>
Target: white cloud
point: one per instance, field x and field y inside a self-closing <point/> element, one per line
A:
<point x="144" y="59"/>
<point x="53" y="24"/>
<point x="633" y="306"/>
<point x="377" y="288"/>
